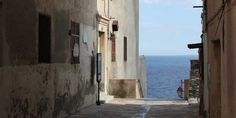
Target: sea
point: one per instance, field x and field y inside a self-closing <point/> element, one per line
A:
<point x="164" y="75"/>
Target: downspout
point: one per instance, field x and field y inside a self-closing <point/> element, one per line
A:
<point x="109" y="20"/>
<point x="108" y="41"/>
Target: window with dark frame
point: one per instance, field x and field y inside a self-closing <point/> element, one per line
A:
<point x="75" y="42"/>
<point x="113" y="48"/>
<point x="125" y="48"/>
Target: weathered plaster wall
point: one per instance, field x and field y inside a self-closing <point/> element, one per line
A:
<point x="20" y="25"/>
<point x="126" y="12"/>
<point x="206" y="78"/>
<point x="33" y="90"/>
<point x="229" y="62"/>
<point x="221" y="59"/>
<point x="123" y="88"/>
<point x="142" y="81"/>
<point x="20" y="28"/>
<point x="213" y="38"/>
<point x="44" y="91"/>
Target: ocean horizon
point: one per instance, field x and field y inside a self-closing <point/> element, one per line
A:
<point x="164" y="74"/>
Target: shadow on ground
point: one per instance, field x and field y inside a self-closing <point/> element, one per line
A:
<point x="140" y="109"/>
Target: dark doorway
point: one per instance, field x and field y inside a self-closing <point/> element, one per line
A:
<point x="1" y="36"/>
<point x="44" y="42"/>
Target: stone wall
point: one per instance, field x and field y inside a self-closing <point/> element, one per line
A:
<point x="194" y="80"/>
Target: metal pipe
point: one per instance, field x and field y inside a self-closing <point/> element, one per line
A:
<point x="197" y="6"/>
<point x="108" y="29"/>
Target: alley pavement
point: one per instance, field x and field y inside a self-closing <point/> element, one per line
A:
<point x="141" y="108"/>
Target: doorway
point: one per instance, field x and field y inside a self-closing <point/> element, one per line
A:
<point x="102" y="50"/>
<point x="1" y="35"/>
<point x="44" y="39"/>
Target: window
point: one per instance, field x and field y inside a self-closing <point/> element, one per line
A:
<point x="75" y="42"/>
<point x="125" y="48"/>
<point x="113" y="48"/>
<point x="44" y="39"/>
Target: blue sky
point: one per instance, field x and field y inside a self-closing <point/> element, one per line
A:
<point x="167" y="26"/>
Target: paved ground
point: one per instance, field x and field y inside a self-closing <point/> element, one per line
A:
<point x="146" y="108"/>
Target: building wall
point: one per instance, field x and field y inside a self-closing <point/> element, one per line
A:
<point x="221" y="58"/>
<point x="126" y="12"/>
<point x="47" y="91"/>
<point x="103" y="20"/>
<point x="142" y="81"/>
<point x="206" y="78"/>
<point x="229" y="63"/>
<point x="57" y="89"/>
<point x="120" y="71"/>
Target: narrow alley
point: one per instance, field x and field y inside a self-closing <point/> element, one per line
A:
<point x="144" y="58"/>
<point x="141" y="108"/>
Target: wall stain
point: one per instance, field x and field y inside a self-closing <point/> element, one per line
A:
<point x="43" y="106"/>
<point x="19" y="107"/>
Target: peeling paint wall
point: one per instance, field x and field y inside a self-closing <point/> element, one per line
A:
<point x="44" y="91"/>
<point x="55" y="90"/>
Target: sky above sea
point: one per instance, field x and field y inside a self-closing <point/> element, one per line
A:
<point x="167" y="26"/>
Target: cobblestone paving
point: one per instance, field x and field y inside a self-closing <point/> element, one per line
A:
<point x="145" y="108"/>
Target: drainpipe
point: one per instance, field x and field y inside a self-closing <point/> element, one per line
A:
<point x="108" y="38"/>
<point x="109" y="20"/>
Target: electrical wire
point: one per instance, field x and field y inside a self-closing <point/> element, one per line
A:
<point x="217" y="12"/>
<point x="218" y="25"/>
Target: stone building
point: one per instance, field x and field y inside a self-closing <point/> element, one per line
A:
<point x="47" y="50"/>
<point x="118" y="26"/>
<point x="194" y="79"/>
<point x="218" y="53"/>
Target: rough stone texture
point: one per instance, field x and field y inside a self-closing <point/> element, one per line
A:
<point x="44" y="91"/>
<point x="120" y="108"/>
<point x="194" y="80"/>
<point x="123" y="88"/>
